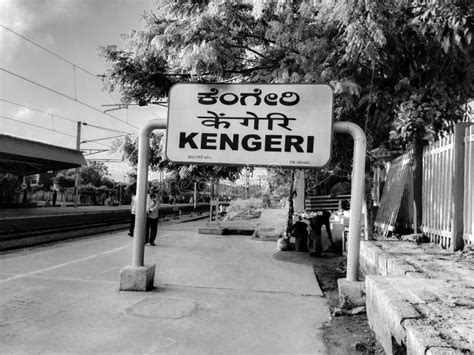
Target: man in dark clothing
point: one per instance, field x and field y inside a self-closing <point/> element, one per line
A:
<point x="55" y="196"/>
<point x="300" y="233"/>
<point x="316" y="224"/>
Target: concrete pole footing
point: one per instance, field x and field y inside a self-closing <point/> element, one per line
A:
<point x="137" y="278"/>
<point x="351" y="293"/>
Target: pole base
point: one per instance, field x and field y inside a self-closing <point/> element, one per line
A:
<point x="351" y="293"/>
<point x="137" y="278"/>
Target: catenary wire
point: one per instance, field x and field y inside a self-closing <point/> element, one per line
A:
<point x="49" y="129"/>
<point x="33" y="125"/>
<point x="66" y="96"/>
<point x="58" y="56"/>
<point x="62" y="117"/>
<point x="47" y="50"/>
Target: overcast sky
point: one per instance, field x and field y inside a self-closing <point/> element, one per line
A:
<point x="72" y="29"/>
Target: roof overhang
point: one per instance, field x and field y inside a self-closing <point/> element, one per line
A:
<point x="25" y="157"/>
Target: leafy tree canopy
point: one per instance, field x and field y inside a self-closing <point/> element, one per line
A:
<point x="402" y="70"/>
<point x="96" y="174"/>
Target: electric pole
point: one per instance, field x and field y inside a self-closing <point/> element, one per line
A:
<point x="78" y="170"/>
<point x="247" y="183"/>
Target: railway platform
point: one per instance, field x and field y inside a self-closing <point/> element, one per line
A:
<point x="9" y="213"/>
<point x="25" y="227"/>
<point x="212" y="295"/>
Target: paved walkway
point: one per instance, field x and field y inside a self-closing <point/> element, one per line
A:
<point x="213" y="295"/>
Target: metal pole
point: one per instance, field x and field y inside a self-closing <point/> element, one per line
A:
<point x="78" y="170"/>
<point x="357" y="195"/>
<point x="142" y="181"/>
<point x="195" y="196"/>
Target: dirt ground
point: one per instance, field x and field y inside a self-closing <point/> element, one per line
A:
<point x="344" y="334"/>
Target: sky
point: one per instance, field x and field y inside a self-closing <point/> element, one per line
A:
<point x="39" y="89"/>
<point x="72" y="30"/>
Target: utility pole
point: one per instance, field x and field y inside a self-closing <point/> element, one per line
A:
<point x="78" y="170"/>
<point x="247" y="183"/>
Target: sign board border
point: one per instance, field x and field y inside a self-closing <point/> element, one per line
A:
<point x="292" y="166"/>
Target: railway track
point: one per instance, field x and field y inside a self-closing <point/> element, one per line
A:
<point x="32" y="231"/>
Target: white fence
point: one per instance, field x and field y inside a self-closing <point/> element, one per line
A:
<point x="437" y="196"/>
<point x="448" y="189"/>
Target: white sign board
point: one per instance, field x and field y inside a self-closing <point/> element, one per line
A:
<point x="287" y="125"/>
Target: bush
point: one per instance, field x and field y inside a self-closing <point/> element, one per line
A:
<point x="244" y="209"/>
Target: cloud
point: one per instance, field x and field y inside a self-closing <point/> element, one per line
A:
<point x="22" y="113"/>
<point x="25" y="16"/>
<point x="37" y="20"/>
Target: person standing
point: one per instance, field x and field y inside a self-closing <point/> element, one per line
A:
<point x="314" y="233"/>
<point x="133" y="207"/>
<point x="152" y="219"/>
<point x="55" y="194"/>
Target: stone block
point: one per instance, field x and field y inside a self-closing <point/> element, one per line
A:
<point x="398" y="267"/>
<point x="421" y="337"/>
<point x="417" y="275"/>
<point x="351" y="293"/>
<point x="386" y="310"/>
<point x="137" y="278"/>
<point x="397" y="313"/>
<point x="443" y="351"/>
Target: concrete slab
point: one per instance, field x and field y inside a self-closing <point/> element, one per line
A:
<point x="271" y="224"/>
<point x="419" y="314"/>
<point x="213" y="294"/>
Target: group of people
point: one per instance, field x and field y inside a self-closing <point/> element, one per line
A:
<point x="308" y="235"/>
<point x="152" y="211"/>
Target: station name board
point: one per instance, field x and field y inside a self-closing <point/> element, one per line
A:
<point x="287" y="125"/>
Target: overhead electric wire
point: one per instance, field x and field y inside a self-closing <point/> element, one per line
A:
<point x="108" y="129"/>
<point x="49" y="129"/>
<point x="66" y="96"/>
<point x="102" y="144"/>
<point x="35" y="109"/>
<point x="100" y="139"/>
<point x="47" y="50"/>
<point x="33" y="125"/>
<point x="58" y="56"/>
<point x="53" y="130"/>
<point x="62" y="117"/>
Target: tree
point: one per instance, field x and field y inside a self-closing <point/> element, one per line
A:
<point x="385" y="60"/>
<point x="401" y="70"/>
<point x="64" y="181"/>
<point x="8" y="186"/>
<point x="96" y="174"/>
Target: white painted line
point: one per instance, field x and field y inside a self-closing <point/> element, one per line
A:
<point x="64" y="264"/>
<point x="70" y="279"/>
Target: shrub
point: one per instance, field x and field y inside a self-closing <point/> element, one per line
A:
<point x="244" y="209"/>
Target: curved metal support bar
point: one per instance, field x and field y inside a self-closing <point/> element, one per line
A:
<point x="142" y="182"/>
<point x="357" y="194"/>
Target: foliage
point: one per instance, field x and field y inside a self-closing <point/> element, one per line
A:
<point x="95" y="174"/>
<point x="128" y="146"/>
<point x="64" y="181"/>
<point x="88" y="189"/>
<point x="46" y="181"/>
<point x="244" y="209"/>
<point x="8" y="185"/>
<point x="401" y="70"/>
